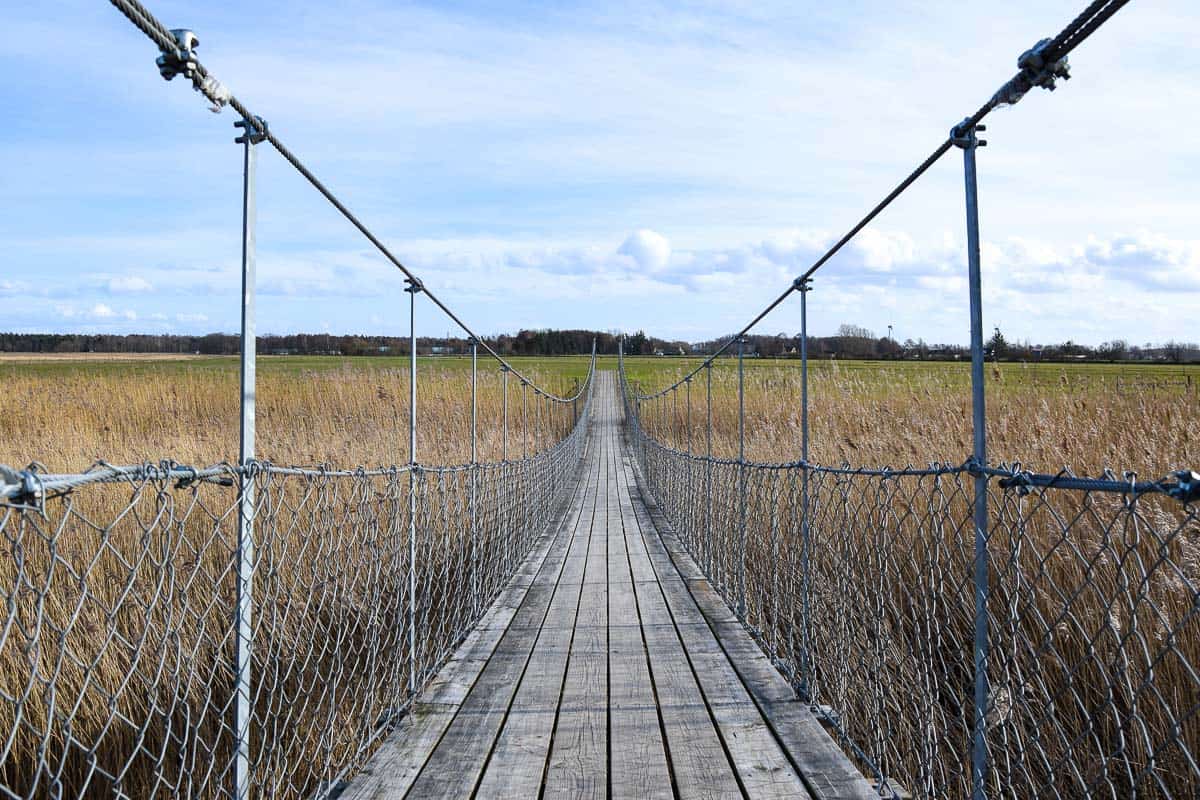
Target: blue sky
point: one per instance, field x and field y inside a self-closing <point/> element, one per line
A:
<point x="616" y="166"/>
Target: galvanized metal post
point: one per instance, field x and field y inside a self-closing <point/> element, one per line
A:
<point x="708" y="521"/>
<point x="804" y="285"/>
<point x="674" y="429"/>
<point x="967" y="140"/>
<point x="253" y="131"/>
<point x="504" y="426"/>
<point x="524" y="419"/>
<point x="475" y="593"/>
<point x="504" y="471"/>
<point x="742" y="477"/>
<point x="414" y="287"/>
<point x="689" y="414"/>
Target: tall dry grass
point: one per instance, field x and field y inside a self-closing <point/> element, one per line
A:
<point x="904" y="416"/>
<point x="1092" y="602"/>
<point x="66" y="419"/>
<point x="117" y="649"/>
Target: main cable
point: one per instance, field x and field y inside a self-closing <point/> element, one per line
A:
<point x="1046" y="65"/>
<point x="204" y="82"/>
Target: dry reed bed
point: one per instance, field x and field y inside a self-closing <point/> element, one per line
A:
<point x="1094" y="632"/>
<point x="117" y="651"/>
<point x="346" y="417"/>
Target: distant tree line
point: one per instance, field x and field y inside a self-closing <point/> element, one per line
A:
<point x="850" y="342"/>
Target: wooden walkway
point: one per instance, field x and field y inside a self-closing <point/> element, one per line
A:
<point x="609" y="668"/>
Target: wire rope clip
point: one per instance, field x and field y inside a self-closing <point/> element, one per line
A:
<point x="802" y="284"/>
<point x="963" y="135"/>
<point x="414" y="285"/>
<point x="1036" y="69"/>
<point x="183" y="60"/>
<point x="1187" y="488"/>
<point x="255" y="129"/>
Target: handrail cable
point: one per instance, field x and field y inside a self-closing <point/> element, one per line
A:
<point x="1040" y="66"/>
<point x="204" y="82"/>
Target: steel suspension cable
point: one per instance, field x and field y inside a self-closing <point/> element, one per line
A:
<point x="204" y="82"/>
<point x="1079" y="29"/>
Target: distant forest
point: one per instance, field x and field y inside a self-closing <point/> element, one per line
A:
<point x="850" y="342"/>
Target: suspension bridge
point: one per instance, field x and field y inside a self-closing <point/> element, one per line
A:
<point x="621" y="613"/>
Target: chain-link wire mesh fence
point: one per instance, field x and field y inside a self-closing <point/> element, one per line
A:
<point x="860" y="585"/>
<point x="118" y="632"/>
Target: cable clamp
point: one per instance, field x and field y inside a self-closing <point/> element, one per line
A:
<point x="1187" y="488"/>
<point x="1036" y="69"/>
<point x="20" y="488"/>
<point x="255" y="128"/>
<point x="414" y="285"/>
<point x="182" y="61"/>
<point x="963" y="135"/>
<point x="802" y="284"/>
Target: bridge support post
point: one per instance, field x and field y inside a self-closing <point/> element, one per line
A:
<point x="708" y="489"/>
<point x="965" y="138"/>
<point x="805" y="284"/>
<point x="505" y="500"/>
<point x="413" y="289"/>
<point x="688" y="381"/>
<point x="476" y="600"/>
<point x="742" y="477"/>
<point x="253" y="132"/>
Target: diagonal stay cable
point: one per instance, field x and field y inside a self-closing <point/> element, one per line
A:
<point x="1038" y="72"/>
<point x="204" y="82"/>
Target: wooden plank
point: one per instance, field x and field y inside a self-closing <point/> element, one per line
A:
<point x="399" y="760"/>
<point x="761" y="764"/>
<point x="827" y="772"/>
<point x="639" y="760"/>
<point x="578" y="764"/>
<point x="517" y="763"/>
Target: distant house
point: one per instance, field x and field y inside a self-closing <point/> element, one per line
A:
<point x="441" y="350"/>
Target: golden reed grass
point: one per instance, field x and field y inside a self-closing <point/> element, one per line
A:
<point x="117" y="646"/>
<point x="1095" y="640"/>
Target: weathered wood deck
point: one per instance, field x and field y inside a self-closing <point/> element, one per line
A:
<point x="609" y="668"/>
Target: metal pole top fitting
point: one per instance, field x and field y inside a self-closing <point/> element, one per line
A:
<point x="963" y="135"/>
<point x="802" y="284"/>
<point x="255" y="128"/>
<point x="414" y="285"/>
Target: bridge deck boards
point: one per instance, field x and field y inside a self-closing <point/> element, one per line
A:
<point x="607" y="668"/>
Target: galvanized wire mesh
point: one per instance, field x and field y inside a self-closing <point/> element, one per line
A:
<point x="118" y="630"/>
<point x="860" y="585"/>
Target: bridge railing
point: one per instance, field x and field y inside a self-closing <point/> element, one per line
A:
<point x="861" y="585"/>
<point x="967" y="630"/>
<point x="250" y="629"/>
<point x="119" y="630"/>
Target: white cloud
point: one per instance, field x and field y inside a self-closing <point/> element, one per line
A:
<point x="191" y="317"/>
<point x="129" y="284"/>
<point x="101" y="311"/>
<point x="651" y="250"/>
